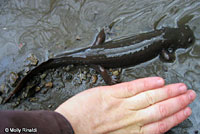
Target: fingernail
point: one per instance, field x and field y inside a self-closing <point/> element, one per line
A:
<point x="187" y="112"/>
<point x="183" y="88"/>
<point x="160" y="82"/>
<point x="191" y="95"/>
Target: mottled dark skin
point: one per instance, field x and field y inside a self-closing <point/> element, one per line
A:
<point x="119" y="53"/>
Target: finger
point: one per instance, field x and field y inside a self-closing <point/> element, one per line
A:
<point x="166" y="108"/>
<point x="151" y="97"/>
<point x="128" y="89"/>
<point x="166" y="124"/>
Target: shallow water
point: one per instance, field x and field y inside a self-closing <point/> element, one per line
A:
<point x="46" y="27"/>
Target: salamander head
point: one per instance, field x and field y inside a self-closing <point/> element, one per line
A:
<point x="186" y="37"/>
<point x="181" y="37"/>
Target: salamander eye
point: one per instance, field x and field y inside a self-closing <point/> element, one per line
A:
<point x="170" y="50"/>
<point x="190" y="40"/>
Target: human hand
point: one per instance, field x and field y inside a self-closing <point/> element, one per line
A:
<point x="143" y="106"/>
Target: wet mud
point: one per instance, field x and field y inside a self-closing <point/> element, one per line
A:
<point x="31" y="31"/>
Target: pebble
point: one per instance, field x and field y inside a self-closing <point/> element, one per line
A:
<point x="33" y="61"/>
<point x="49" y="85"/>
<point x="94" y="79"/>
<point x="13" y="78"/>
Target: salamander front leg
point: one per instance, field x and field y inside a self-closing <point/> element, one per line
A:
<point x="107" y="78"/>
<point x="167" y="55"/>
<point x="100" y="38"/>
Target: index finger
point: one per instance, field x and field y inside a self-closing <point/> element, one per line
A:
<point x="129" y="89"/>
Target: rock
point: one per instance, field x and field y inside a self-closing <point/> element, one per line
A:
<point x="120" y="70"/>
<point x="89" y="75"/>
<point x="32" y="60"/>
<point x="13" y="78"/>
<point x="37" y="89"/>
<point x="26" y="70"/>
<point x="85" y="72"/>
<point x="67" y="76"/>
<point x="24" y="95"/>
<point x="28" y="87"/>
<point x="42" y="76"/>
<point x="42" y="84"/>
<point x="116" y="73"/>
<point x="49" y="106"/>
<point x="1" y="100"/>
<point x="30" y="90"/>
<point x="78" y="37"/>
<point x="6" y="89"/>
<point x="82" y="76"/>
<point x="33" y="99"/>
<point x="45" y="90"/>
<point x="2" y="89"/>
<point x="49" y="85"/>
<point x="67" y="68"/>
<point x="110" y="70"/>
<point x="94" y="79"/>
<point x="196" y="131"/>
<point x="186" y="124"/>
<point x="93" y="71"/>
<point x="51" y="55"/>
<point x="59" y="83"/>
<point x="57" y="73"/>
<point x="16" y="104"/>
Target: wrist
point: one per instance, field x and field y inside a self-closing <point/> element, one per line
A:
<point x="72" y="119"/>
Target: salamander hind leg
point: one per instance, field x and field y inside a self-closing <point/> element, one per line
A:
<point x="107" y="78"/>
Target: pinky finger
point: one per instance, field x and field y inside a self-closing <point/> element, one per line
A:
<point x="166" y="124"/>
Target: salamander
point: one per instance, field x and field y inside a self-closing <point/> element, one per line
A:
<point x="124" y="52"/>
